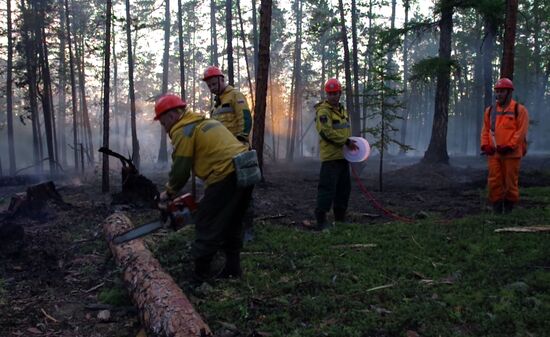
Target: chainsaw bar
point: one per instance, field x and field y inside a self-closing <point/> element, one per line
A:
<point x="138" y="232"/>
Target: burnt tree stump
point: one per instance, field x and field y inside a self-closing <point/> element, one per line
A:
<point x="136" y="188"/>
<point x="30" y="204"/>
<point x="163" y="308"/>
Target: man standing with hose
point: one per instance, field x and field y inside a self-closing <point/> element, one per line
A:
<point x="334" y="128"/>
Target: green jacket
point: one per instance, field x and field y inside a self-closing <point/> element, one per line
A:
<point x="203" y="145"/>
<point x="334" y="129"/>
<point x="232" y="110"/>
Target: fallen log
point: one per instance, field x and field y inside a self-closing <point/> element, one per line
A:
<point x="163" y="308"/>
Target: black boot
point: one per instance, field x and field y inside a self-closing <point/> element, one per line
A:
<point x="508" y="206"/>
<point x="339" y="214"/>
<point x="232" y="268"/>
<point x="498" y="207"/>
<point x="202" y="269"/>
<point x="321" y="218"/>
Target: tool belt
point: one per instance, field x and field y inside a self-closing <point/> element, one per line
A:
<point x="247" y="168"/>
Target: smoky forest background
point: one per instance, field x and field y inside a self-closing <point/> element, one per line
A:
<point x="77" y="75"/>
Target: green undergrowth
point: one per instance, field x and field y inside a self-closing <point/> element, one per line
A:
<point x="433" y="277"/>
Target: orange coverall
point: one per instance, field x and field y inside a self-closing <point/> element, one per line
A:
<point x="509" y="130"/>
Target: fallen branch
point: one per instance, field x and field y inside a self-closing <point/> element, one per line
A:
<point x="48" y="316"/>
<point x="529" y="229"/>
<point x="381" y="287"/>
<point x="163" y="308"/>
<point x="270" y="217"/>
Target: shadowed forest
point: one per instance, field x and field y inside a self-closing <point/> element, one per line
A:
<point x="421" y="255"/>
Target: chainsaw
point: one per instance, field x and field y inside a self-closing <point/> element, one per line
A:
<point x="175" y="214"/>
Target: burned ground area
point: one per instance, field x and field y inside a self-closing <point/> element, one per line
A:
<point x="54" y="270"/>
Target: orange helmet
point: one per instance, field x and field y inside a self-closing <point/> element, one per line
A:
<point x="333" y="85"/>
<point x="211" y="71"/>
<point x="504" y="83"/>
<point x="167" y="103"/>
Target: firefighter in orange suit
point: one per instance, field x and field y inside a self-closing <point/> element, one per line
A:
<point x="503" y="141"/>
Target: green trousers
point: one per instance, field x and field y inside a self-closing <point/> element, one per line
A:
<point x="334" y="185"/>
<point x="219" y="218"/>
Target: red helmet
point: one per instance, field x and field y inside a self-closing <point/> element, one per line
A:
<point x="333" y="85"/>
<point x="211" y="71"/>
<point x="504" y="83"/>
<point x="166" y="103"/>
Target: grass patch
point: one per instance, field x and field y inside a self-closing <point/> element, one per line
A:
<point x="117" y="296"/>
<point x="438" y="278"/>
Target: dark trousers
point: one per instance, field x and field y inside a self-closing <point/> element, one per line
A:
<point x="219" y="218"/>
<point x="334" y="185"/>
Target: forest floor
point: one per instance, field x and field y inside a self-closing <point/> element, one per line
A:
<point x="56" y="280"/>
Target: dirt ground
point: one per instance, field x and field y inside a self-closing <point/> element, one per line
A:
<point x="50" y="278"/>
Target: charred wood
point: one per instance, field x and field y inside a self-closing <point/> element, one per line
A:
<point x="136" y="188"/>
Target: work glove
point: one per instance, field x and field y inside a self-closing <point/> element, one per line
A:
<point x="351" y="145"/>
<point x="487" y="150"/>
<point x="504" y="150"/>
<point x="163" y="200"/>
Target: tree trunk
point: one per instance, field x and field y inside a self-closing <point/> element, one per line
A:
<point x="29" y="43"/>
<point x="507" y="66"/>
<point x="298" y="81"/>
<point x="73" y="87"/>
<point x="255" y="36"/>
<point x="164" y="310"/>
<point x="116" y="118"/>
<point x="85" y="117"/>
<point x="182" y="53"/>
<point x="437" y="149"/>
<point x="262" y="78"/>
<point x="62" y="84"/>
<point x="355" y="119"/>
<point x="213" y="34"/>
<point x="163" y="149"/>
<point x="245" y="53"/>
<point x="106" y="90"/>
<point x="131" y="92"/>
<point x="405" y="120"/>
<point x="9" y="93"/>
<point x="229" y="31"/>
<point x="46" y="98"/>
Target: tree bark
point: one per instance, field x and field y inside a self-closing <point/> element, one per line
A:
<point x="355" y="119"/>
<point x="507" y="66"/>
<point x="131" y="91"/>
<point x="163" y="308"/>
<point x="9" y="94"/>
<point x="106" y="90"/>
<point x="437" y="149"/>
<point x="262" y="74"/>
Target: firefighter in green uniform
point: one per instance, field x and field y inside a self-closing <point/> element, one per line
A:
<point x="333" y="125"/>
<point x="208" y="148"/>
<point x="231" y="109"/>
<point x="230" y="106"/>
